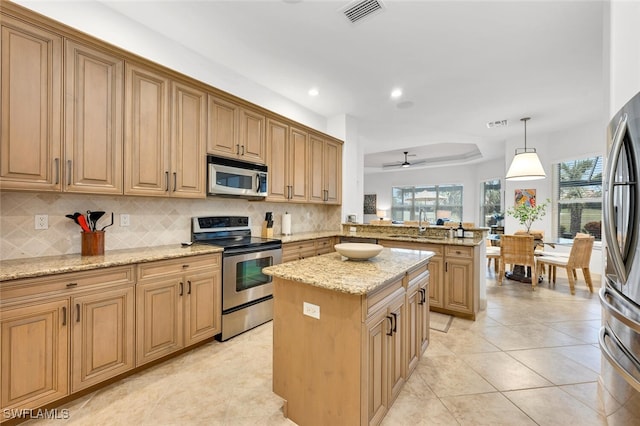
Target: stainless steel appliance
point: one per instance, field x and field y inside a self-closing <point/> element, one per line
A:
<point x="233" y="178"/>
<point x="620" y="294"/>
<point x="247" y="293"/>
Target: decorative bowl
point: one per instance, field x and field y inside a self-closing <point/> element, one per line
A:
<point x="358" y="251"/>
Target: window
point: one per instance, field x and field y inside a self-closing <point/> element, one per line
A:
<point x="437" y="201"/>
<point x="491" y="203"/>
<point x="579" y="196"/>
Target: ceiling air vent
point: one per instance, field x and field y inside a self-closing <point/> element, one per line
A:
<point x="499" y="123"/>
<point x="360" y="9"/>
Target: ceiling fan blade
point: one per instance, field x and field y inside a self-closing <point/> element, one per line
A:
<point x="396" y="164"/>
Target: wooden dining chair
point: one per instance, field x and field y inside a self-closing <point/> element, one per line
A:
<point x="517" y="250"/>
<point x="579" y="258"/>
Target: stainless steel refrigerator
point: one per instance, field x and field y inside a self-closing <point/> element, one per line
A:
<point x="620" y="293"/>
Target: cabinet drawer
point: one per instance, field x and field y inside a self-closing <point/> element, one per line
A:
<point x="67" y="282"/>
<point x="380" y="297"/>
<point x="436" y="248"/>
<point x="457" y="251"/>
<point x="324" y="245"/>
<point x="416" y="275"/>
<point x="161" y="268"/>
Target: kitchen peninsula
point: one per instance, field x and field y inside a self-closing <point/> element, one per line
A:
<point x="347" y="334"/>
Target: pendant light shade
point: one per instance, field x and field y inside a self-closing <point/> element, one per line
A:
<point x="526" y="164"/>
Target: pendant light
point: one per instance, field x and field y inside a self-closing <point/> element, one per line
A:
<point x="526" y="164"/>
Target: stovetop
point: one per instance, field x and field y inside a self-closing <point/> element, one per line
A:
<point x="233" y="233"/>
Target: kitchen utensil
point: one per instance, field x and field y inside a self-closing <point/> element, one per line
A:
<point x="108" y="224"/>
<point x="76" y="218"/>
<point x="82" y="221"/>
<point x="94" y="217"/>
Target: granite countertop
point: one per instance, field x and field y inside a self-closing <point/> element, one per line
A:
<point x="334" y="272"/>
<point x="304" y="236"/>
<point x="40" y="266"/>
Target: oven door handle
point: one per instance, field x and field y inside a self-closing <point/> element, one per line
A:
<point x="628" y="376"/>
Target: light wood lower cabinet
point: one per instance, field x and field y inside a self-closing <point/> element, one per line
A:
<point x="303" y="249"/>
<point x="177" y="304"/>
<point x="454" y="286"/>
<point x="35" y="354"/>
<point x="83" y="321"/>
<point x="348" y="365"/>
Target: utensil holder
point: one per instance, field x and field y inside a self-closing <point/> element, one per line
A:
<point x="266" y="232"/>
<point x="92" y="243"/>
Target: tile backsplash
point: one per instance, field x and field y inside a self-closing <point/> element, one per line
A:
<point x="153" y="221"/>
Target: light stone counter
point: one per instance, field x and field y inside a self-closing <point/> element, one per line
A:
<point x="410" y="235"/>
<point x="334" y="272"/>
<point x="41" y="266"/>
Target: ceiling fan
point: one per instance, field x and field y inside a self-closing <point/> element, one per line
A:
<point x="405" y="163"/>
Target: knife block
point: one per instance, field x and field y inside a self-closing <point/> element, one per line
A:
<point x="266" y="232"/>
<point x="92" y="243"/>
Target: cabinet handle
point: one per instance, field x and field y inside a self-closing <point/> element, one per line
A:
<point x="175" y="181"/>
<point x="69" y="175"/>
<point x="189" y="287"/>
<point x="390" y="332"/>
<point x="289" y="192"/>
<point x="395" y="321"/>
<point x="186" y="265"/>
<point x="237" y="149"/>
<point x="446" y="266"/>
<point x="242" y="146"/>
<point x="421" y="301"/>
<point x="181" y="289"/>
<point x="71" y="285"/>
<point x="325" y="195"/>
<point x="77" y="312"/>
<point x="64" y="315"/>
<point x="166" y="178"/>
<point x="56" y="162"/>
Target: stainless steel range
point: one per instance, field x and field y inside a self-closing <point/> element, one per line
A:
<point x="247" y="293"/>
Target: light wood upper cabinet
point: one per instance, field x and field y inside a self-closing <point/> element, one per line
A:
<point x="165" y="130"/>
<point x="146" y="132"/>
<point x="235" y="131"/>
<point x="35" y="354"/>
<point x="31" y="96"/>
<point x="189" y="132"/>
<point x="287" y="162"/>
<point x="325" y="170"/>
<point x="94" y="95"/>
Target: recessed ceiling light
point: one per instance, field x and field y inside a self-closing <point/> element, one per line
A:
<point x="396" y="93"/>
<point x="314" y="92"/>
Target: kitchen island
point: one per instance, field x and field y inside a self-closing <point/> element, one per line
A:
<point x="347" y="334"/>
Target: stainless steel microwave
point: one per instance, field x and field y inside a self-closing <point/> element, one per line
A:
<point x="228" y="177"/>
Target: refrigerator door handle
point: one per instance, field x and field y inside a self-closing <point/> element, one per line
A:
<point x="625" y="319"/>
<point x="609" y="213"/>
<point x="604" y="332"/>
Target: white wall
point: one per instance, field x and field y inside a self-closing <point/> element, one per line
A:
<point x="624" y="53"/>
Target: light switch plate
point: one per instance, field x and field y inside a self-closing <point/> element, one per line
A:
<point x="311" y="310"/>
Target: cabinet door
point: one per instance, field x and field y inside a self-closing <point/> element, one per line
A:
<point x="188" y="141"/>
<point x="203" y="306"/>
<point x="436" y="272"/>
<point x="424" y="329"/>
<point x="35" y="354"/>
<point x="31" y="117"/>
<point x="316" y="169"/>
<point x="378" y="329"/>
<point x="459" y="285"/>
<point x="222" y="130"/>
<point x="252" y="136"/>
<point x="298" y="154"/>
<point x="333" y="172"/>
<point x="102" y="336"/>
<point x="159" y="318"/>
<point x="324" y="246"/>
<point x="397" y="358"/>
<point x="414" y="298"/>
<point x="93" y="120"/>
<point x="277" y="160"/>
<point x="146" y="134"/>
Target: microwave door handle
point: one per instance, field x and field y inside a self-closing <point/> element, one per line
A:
<point x="609" y="211"/>
<point x="257" y="182"/>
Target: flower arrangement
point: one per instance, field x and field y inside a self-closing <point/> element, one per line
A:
<point x="527" y="214"/>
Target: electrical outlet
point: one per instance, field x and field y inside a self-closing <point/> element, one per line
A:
<point x="42" y="221"/>
<point x="124" y="220"/>
<point x="311" y="310"/>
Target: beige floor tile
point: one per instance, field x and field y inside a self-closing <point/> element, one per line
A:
<point x="586" y="331"/>
<point x="467" y="342"/>
<point x="545" y="336"/>
<point x="504" y="372"/>
<point x="555" y="367"/>
<point x="552" y="406"/>
<point x="491" y="409"/>
<point x="450" y="376"/>
<point x="587" y="393"/>
<point x="587" y="355"/>
<point x="508" y="339"/>
<point x="411" y="410"/>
